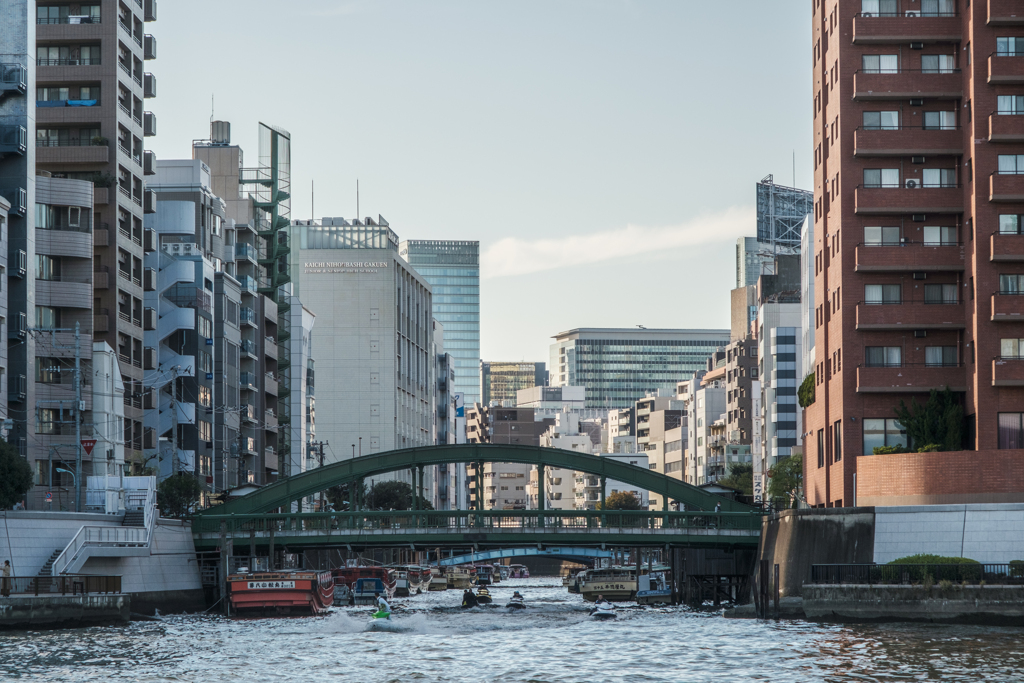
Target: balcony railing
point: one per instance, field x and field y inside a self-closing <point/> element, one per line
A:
<point x="907" y="141"/>
<point x="1004" y="187"/>
<point x="903" y="27"/>
<point x="910" y="315"/>
<point x="89" y="61"/>
<point x="1007" y="372"/>
<point x="70" y="19"/>
<point x="906" y="83"/>
<point x="1006" y="247"/>
<point x="1007" y="307"/>
<point x="902" y="200"/>
<point x="1005" y="69"/>
<point x="1006" y="126"/>
<point x="909" y="255"/>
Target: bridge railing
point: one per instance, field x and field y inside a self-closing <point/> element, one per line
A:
<point x="469" y="521"/>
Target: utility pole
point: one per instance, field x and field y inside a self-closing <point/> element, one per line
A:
<point x="318" y="448"/>
<point x="174" y="420"/>
<point x="78" y="419"/>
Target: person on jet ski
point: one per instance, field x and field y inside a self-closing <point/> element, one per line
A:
<point x="468" y="599"/>
<point x="516" y="597"/>
<point x="382" y="604"/>
<point x="602" y="603"/>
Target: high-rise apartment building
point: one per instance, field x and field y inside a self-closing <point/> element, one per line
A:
<point x="499" y="381"/>
<point x="918" y="233"/>
<point x="620" y="366"/>
<point x="91" y="124"/>
<point x="452" y="268"/>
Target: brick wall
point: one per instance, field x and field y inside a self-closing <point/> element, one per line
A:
<point x="952" y="477"/>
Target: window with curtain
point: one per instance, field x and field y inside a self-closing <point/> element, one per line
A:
<point x="1011" y="284"/>
<point x="940" y="294"/>
<point x="880" y="64"/>
<point x="881" y="177"/>
<point x="940" y="120"/>
<point x="878" y="8"/>
<point x="938" y="8"/>
<point x="1009" y="224"/>
<point x="883" y="432"/>
<point x="1011" y="164"/>
<point x="881" y="120"/>
<point x="1011" y="430"/>
<point x="1010" y="47"/>
<point x="837" y="440"/>
<point x="940" y="356"/>
<point x="1011" y="348"/>
<point x="882" y="294"/>
<point x="938" y="177"/>
<point x="878" y="236"/>
<point x="47" y="317"/>
<point x="938" y="64"/>
<point x="939" y="235"/>
<point x="883" y="356"/>
<point x="1010" y="104"/>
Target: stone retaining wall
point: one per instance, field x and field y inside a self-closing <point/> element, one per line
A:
<point x="995" y="605"/>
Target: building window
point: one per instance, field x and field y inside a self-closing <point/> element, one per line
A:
<point x="881" y="236"/>
<point x="1009" y="47"/>
<point x="1011" y="348"/>
<point x="1009" y="224"/>
<point x="880" y="64"/>
<point x="881" y="120"/>
<point x="837" y="440"/>
<point x="1010" y="104"/>
<point x="205" y="431"/>
<point x="940" y="236"/>
<point x="47" y="267"/>
<point x="1011" y="164"/>
<point x="940" y="294"/>
<point x="205" y="396"/>
<point x="878" y="8"/>
<point x="882" y="294"/>
<point x="47" y="421"/>
<point x="205" y="328"/>
<point x="883" y="432"/>
<point x="205" y="361"/>
<point x="940" y="120"/>
<point x="938" y="8"/>
<point x="940" y="356"/>
<point x="1011" y="430"/>
<point x="940" y="177"/>
<point x="938" y="64"/>
<point x="47" y="370"/>
<point x="821" y="448"/>
<point x="881" y="177"/>
<point x="1011" y="284"/>
<point x="47" y="317"/>
<point x="883" y="356"/>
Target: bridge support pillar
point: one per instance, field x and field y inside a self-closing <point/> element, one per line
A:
<point x="604" y="486"/>
<point x="540" y="494"/>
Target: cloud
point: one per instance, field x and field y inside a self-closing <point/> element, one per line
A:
<point x="514" y="256"/>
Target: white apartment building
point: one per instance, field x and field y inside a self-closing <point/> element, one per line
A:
<point x="779" y="345"/>
<point x="705" y="403"/>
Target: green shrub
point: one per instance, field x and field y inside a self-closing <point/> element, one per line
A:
<point x="934" y="559"/>
<point x="960" y="569"/>
<point x="886" y="450"/>
<point x="930" y="448"/>
<point x="805" y="394"/>
<point x="1016" y="567"/>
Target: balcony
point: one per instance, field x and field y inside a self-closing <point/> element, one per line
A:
<point x="910" y="316"/>
<point x="270" y="384"/>
<point x="1007" y="308"/>
<point x="868" y="30"/>
<point x="149" y="51"/>
<point x="1005" y="127"/>
<point x="247" y="381"/>
<point x="148" y="204"/>
<point x="101" y="320"/>
<point x="916" y="256"/>
<point x="86" y="153"/>
<point x="13" y="140"/>
<point x="270" y="459"/>
<point x="874" y="201"/>
<point x="1008" y="247"/>
<point x="1005" y="70"/>
<point x="907" y="83"/>
<point x="907" y="141"/>
<point x="148" y="85"/>
<point x="247" y="316"/>
<point x="1004" y="188"/>
<point x="149" y="13"/>
<point x="270" y="348"/>
<point x="100" y="195"/>
<point x="1005" y="13"/>
<point x="101" y="278"/>
<point x="270" y="421"/>
<point x="67" y="292"/>
<point x="249" y="413"/>
<point x="1008" y="372"/>
<point x="13" y="78"/>
<point x="245" y="251"/>
<point x="916" y="378"/>
<point x="249" y="348"/>
<point x="148" y="124"/>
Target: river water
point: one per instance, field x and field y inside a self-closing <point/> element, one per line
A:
<point x="553" y="641"/>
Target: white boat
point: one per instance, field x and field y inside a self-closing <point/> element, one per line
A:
<point x="604" y="611"/>
<point x="653" y="588"/>
<point x="616" y="584"/>
<point x="438" y="581"/>
<point x="459" y="578"/>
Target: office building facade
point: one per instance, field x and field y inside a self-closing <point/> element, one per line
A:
<point x="452" y="268"/>
<point x="500" y="381"/>
<point x="620" y="366"/>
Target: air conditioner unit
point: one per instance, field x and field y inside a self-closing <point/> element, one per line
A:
<point x="916" y="102"/>
<point x="912" y="184"/>
<point x="920" y="334"/>
<point x="912" y="13"/>
<point x="919" y="217"/>
<point x="916" y="46"/>
<point x="917" y="160"/>
<point x="918" y="275"/>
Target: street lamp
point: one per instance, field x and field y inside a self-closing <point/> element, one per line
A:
<point x="74" y="478"/>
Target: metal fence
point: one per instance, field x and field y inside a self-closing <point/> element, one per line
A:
<point x="910" y="574"/>
<point x="66" y="584"/>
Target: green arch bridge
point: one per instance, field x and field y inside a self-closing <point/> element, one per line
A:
<point x="257" y="517"/>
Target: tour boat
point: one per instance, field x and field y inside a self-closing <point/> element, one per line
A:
<point x="290" y="592"/>
<point x="484" y="574"/>
<point x="653" y="587"/>
<point x="459" y="578"/>
<point x="438" y="581"/>
<point x="377" y="579"/>
<point x="572" y="581"/>
<point x="503" y="571"/>
<point x="616" y="584"/>
<point x="519" y="571"/>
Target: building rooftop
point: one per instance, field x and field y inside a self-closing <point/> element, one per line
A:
<point x="634" y="333"/>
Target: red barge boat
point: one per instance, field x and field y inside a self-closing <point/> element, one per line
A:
<point x="293" y="592"/>
<point x="357" y="585"/>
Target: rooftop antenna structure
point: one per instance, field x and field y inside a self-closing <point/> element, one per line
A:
<point x="357" y="198"/>
<point x="780" y="215"/>
<point x="211" y="108"/>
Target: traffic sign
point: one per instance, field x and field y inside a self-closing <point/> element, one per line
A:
<point x="49" y="497"/>
<point x="88" y="444"/>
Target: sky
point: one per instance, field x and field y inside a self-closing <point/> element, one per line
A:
<point x="603" y="152"/>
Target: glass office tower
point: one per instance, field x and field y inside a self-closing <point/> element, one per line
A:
<point x="453" y="270"/>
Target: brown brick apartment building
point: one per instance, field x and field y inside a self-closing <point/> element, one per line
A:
<point x="919" y="239"/>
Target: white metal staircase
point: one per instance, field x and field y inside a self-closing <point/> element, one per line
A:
<point x="111" y="541"/>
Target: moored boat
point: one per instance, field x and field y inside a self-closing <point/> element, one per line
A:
<point x="614" y="583"/>
<point x="484" y="575"/>
<point x="438" y="581"/>
<point x="653" y="588"/>
<point x="345" y="579"/>
<point x="284" y="593"/>
<point x="519" y="571"/>
<point x="459" y="578"/>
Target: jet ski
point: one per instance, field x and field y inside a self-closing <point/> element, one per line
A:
<point x="483" y="596"/>
<point x="381" y="614"/>
<point x="603" y="611"/>
<point x="515" y="603"/>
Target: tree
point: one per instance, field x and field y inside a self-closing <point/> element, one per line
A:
<point x="178" y="495"/>
<point x="393" y="495"/>
<point x="936" y="425"/>
<point x="786" y="477"/>
<point x="342" y="496"/>
<point x="621" y="500"/>
<point x="805" y="394"/>
<point x="15" y="476"/>
<point x="741" y="476"/>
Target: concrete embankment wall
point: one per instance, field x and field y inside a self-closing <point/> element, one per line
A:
<point x="167" y="579"/>
<point x="68" y="610"/>
<point x="996" y="605"/>
<point x="797" y="539"/>
<point x="991" y="533"/>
